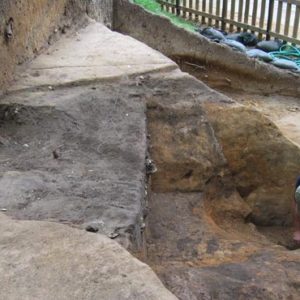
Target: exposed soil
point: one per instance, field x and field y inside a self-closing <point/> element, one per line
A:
<point x="76" y="154"/>
<point x="198" y="258"/>
<point x="193" y="242"/>
<point x="63" y="158"/>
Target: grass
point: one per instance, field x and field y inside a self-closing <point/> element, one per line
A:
<point x="154" y="7"/>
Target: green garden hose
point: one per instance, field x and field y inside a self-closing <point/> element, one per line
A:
<point x="288" y="52"/>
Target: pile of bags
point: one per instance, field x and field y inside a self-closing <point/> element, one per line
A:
<point x="268" y="51"/>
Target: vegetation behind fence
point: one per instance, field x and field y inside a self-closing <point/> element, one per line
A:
<point x="268" y="18"/>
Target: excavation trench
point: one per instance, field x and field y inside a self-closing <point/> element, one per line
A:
<point x="211" y="223"/>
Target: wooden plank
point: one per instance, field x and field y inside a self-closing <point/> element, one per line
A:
<point x="287" y="19"/>
<point x="254" y="13"/>
<point x="232" y="14"/>
<point x="218" y="10"/>
<point x="210" y="10"/>
<point x="262" y="16"/>
<point x="246" y="13"/>
<point x="279" y="15"/>
<point x="203" y="10"/>
<point x="167" y="5"/>
<point x="286" y="38"/>
<point x="173" y="8"/>
<point x="296" y="2"/>
<point x="296" y="22"/>
<point x="183" y="11"/>
<point x="224" y="14"/>
<point x="270" y="18"/>
<point x="260" y="30"/>
<point x="177" y="10"/>
<point x="240" y="14"/>
<point x="190" y="6"/>
<point x="197" y="8"/>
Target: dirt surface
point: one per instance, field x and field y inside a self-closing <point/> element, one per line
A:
<point x="73" y="143"/>
<point x="36" y="24"/>
<point x="284" y="111"/>
<point x="97" y="177"/>
<point x="93" y="54"/>
<point x="202" y="243"/>
<point x="178" y="43"/>
<point x="45" y="260"/>
<point x="199" y="259"/>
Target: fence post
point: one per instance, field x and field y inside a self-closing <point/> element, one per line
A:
<point x="224" y="14"/>
<point x="177" y="7"/>
<point x="270" y="19"/>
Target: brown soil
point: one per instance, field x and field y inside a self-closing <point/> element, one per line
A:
<point x="284" y="111"/>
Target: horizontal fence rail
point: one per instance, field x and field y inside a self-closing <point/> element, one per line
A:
<point x="269" y="18"/>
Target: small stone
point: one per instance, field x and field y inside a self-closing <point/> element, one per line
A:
<point x="293" y="108"/>
<point x="150" y="166"/>
<point x="55" y="154"/>
<point x="92" y="228"/>
<point x="113" y="235"/>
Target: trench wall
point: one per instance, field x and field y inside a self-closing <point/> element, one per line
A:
<point x="159" y="33"/>
<point x="36" y="23"/>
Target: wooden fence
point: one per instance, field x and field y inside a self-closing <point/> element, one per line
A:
<point x="268" y="18"/>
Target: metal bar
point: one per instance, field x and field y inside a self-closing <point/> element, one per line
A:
<point x="224" y="14"/>
<point x="270" y="18"/>
<point x="232" y="14"/>
<point x="279" y="15"/>
<point x="287" y="19"/>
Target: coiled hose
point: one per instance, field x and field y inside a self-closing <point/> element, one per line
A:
<point x="288" y="52"/>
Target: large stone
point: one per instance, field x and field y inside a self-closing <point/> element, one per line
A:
<point x="41" y="260"/>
